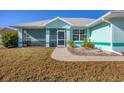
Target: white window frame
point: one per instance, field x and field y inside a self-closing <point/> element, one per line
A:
<point x="77" y="34"/>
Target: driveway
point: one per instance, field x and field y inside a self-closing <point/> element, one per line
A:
<point x="62" y="54"/>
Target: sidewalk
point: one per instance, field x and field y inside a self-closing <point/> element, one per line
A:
<point x="62" y="54"/>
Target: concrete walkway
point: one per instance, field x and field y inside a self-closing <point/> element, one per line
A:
<point x="62" y="54"/>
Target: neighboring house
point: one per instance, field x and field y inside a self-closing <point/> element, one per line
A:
<point x="106" y="32"/>
<point x="3" y="30"/>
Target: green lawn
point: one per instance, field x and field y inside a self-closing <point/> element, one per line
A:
<point x="35" y="64"/>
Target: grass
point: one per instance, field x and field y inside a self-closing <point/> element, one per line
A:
<point x="35" y="64"/>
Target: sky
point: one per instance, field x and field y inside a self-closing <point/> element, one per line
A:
<point x="11" y="17"/>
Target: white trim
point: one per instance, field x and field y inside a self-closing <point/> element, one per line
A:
<point x="20" y="37"/>
<point x="98" y="20"/>
<point x="111" y="36"/>
<point x="78" y="34"/>
<point x="117" y="53"/>
<point x="59" y="19"/>
<point x="106" y="21"/>
<point x="47" y="37"/>
<point x="27" y="27"/>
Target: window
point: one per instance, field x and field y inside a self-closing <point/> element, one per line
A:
<point x="82" y="34"/>
<point x="79" y="35"/>
<point x="76" y="34"/>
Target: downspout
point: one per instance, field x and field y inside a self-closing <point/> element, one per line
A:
<point x="111" y="37"/>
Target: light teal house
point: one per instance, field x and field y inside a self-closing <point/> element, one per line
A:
<point x="106" y="32"/>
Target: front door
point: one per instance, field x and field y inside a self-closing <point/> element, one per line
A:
<point x="60" y="38"/>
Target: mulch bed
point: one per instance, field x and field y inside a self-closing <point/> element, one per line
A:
<point x="81" y="51"/>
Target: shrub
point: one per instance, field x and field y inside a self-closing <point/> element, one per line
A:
<point x="71" y="43"/>
<point x="5" y="39"/>
<point x="88" y="44"/>
<point x="85" y="43"/>
<point x="10" y="40"/>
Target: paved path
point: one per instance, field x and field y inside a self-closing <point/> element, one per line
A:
<point x="62" y="54"/>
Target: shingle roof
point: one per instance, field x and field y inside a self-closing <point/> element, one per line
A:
<point x="36" y="23"/>
<point x="79" y="21"/>
<point x="73" y="21"/>
<point x="117" y="11"/>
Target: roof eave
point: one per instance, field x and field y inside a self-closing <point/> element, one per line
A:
<point x="75" y="26"/>
<point x="105" y="17"/>
<point x="99" y="20"/>
<point x="27" y="27"/>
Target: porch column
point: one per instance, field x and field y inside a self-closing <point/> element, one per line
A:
<point x="20" y="38"/>
<point x="68" y="35"/>
<point x="88" y="33"/>
<point x="47" y="37"/>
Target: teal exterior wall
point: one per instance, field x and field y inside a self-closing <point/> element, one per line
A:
<point x="57" y="24"/>
<point x="78" y="43"/>
<point x="117" y="34"/>
<point x="100" y="33"/>
<point x="100" y="36"/>
<point x="20" y="38"/>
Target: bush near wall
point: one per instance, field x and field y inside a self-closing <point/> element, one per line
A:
<point x="10" y="40"/>
<point x="71" y="43"/>
<point x="88" y="44"/>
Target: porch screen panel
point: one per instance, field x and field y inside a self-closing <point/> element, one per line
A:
<point x="36" y="37"/>
<point x="53" y="37"/>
